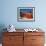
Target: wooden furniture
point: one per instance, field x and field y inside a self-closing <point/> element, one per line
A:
<point x="23" y="39"/>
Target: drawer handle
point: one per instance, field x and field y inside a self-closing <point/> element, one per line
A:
<point x="33" y="39"/>
<point x="11" y="38"/>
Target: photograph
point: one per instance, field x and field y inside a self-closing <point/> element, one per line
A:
<point x="26" y="14"/>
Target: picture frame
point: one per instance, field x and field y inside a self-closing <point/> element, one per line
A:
<point x="25" y="14"/>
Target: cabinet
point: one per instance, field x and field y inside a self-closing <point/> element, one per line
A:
<point x="23" y="39"/>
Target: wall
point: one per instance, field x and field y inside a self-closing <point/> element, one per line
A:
<point x="9" y="13"/>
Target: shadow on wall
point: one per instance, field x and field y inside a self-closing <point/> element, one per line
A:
<point x="2" y="26"/>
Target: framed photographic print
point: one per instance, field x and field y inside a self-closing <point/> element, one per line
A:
<point x="26" y="14"/>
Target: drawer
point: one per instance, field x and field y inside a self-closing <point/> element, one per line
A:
<point x="34" y="39"/>
<point x="8" y="45"/>
<point x="12" y="39"/>
<point x="34" y="33"/>
<point x="27" y="37"/>
<point x="12" y="44"/>
<point x="37" y="39"/>
<point x="37" y="44"/>
<point x="27" y="41"/>
<point x="13" y="33"/>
